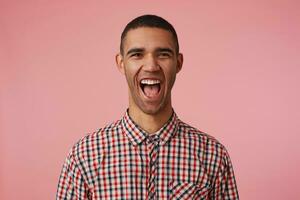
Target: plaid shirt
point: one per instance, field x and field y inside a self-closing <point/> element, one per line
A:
<point x="122" y="161"/>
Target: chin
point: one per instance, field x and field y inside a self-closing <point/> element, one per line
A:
<point x="152" y="110"/>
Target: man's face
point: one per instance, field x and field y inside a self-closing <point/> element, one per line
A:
<point x="150" y="64"/>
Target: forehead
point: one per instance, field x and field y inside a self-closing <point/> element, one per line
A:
<point x="145" y="37"/>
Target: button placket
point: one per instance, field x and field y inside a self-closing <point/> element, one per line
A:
<point x="153" y="145"/>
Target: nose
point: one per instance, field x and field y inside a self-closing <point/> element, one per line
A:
<point x="150" y="63"/>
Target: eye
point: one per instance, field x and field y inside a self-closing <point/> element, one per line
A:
<point x="164" y="55"/>
<point x="136" y="55"/>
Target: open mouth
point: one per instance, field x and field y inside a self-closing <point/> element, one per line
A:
<point x="150" y="87"/>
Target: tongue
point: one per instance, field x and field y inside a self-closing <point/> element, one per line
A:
<point x="151" y="90"/>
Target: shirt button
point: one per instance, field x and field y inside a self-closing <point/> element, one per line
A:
<point x="153" y="138"/>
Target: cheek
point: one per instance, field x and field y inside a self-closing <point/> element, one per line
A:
<point x="171" y="80"/>
<point x="130" y="77"/>
<point x="170" y="74"/>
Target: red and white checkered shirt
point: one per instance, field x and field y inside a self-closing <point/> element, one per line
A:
<point x="122" y="161"/>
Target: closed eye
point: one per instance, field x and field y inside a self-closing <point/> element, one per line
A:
<point x="135" y="52"/>
<point x="136" y="55"/>
<point x="164" y="55"/>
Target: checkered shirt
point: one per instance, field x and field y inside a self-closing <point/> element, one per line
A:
<point x="122" y="161"/>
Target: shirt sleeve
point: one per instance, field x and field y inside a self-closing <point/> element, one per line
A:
<point x="72" y="184"/>
<point x="225" y="187"/>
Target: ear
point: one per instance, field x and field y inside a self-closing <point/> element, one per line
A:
<point x="120" y="63"/>
<point x="179" y="62"/>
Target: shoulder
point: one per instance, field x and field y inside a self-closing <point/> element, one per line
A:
<point x="211" y="153"/>
<point x="205" y="143"/>
<point x="91" y="145"/>
<point x="190" y="132"/>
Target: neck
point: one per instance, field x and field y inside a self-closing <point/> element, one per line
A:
<point x="151" y="123"/>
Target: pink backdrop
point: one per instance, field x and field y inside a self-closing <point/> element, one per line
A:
<point x="240" y="83"/>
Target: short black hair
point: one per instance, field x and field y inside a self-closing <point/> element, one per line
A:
<point x="152" y="21"/>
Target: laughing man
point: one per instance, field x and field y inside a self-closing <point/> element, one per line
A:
<point x="149" y="153"/>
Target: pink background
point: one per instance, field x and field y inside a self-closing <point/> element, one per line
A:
<point x="240" y="83"/>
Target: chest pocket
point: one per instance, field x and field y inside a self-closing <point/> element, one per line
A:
<point x="188" y="190"/>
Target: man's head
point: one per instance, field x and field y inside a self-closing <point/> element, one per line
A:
<point x="150" y="60"/>
<point x="150" y="21"/>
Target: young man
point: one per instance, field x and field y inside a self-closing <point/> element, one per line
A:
<point x="149" y="153"/>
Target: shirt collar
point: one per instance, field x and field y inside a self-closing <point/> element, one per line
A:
<point x="137" y="135"/>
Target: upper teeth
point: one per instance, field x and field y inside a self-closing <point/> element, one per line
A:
<point x="150" y="82"/>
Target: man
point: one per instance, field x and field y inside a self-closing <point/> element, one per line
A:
<point x="149" y="153"/>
